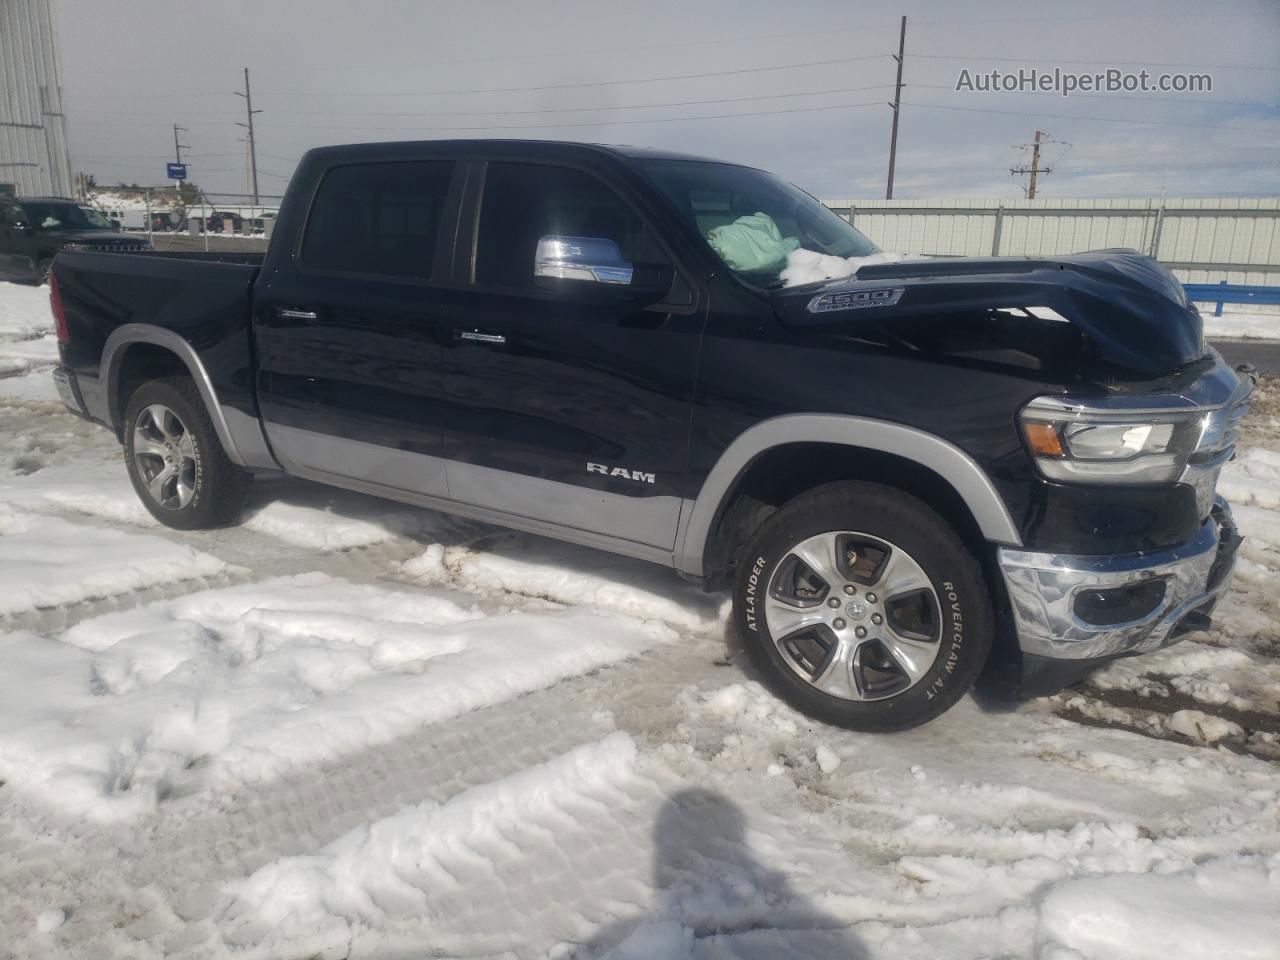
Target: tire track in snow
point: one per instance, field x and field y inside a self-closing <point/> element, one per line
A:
<point x="138" y="885"/>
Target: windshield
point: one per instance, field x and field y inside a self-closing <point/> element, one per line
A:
<point x="64" y="216"/>
<point x="751" y="219"/>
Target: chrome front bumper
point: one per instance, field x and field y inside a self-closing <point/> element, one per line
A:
<point x="1044" y="589"/>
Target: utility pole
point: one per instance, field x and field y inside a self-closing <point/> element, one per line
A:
<point x="253" y="150"/>
<point x="1035" y="167"/>
<point x="178" y="147"/>
<point x="896" y="105"/>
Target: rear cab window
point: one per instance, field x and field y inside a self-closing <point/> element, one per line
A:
<point x="382" y="219"/>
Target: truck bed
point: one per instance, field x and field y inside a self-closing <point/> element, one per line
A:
<point x="204" y="298"/>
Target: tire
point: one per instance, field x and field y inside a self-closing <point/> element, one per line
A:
<point x="926" y="638"/>
<point x="200" y="488"/>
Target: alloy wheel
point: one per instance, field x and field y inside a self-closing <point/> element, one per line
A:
<point x="854" y="615"/>
<point x="164" y="456"/>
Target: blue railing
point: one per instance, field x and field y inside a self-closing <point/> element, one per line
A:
<point x="1224" y="292"/>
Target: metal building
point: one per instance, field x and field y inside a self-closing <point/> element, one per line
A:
<point x="34" y="156"/>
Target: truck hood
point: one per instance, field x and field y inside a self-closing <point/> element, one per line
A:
<point x="1132" y="310"/>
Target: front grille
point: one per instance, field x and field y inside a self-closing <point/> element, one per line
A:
<point x="110" y="247"/>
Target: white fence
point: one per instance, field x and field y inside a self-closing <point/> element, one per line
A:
<point x="1201" y="240"/>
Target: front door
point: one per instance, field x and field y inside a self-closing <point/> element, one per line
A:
<point x="17" y="243"/>
<point x="568" y="406"/>
<point x="350" y="334"/>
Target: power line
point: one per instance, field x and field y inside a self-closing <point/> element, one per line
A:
<point x="533" y="126"/>
<point x="1072" y="116"/>
<point x="620" y="106"/>
<point x="593" y="123"/>
<point x="773" y="37"/>
<point x="1101" y="63"/>
<point x="144" y="156"/>
<point x="579" y="85"/>
<point x="1203" y="100"/>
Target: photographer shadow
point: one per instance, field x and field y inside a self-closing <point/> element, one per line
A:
<point x="716" y="900"/>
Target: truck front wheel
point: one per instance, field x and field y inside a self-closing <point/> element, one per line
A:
<point x="863" y="608"/>
<point x="178" y="468"/>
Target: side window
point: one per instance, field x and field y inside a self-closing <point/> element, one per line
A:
<point x="525" y="202"/>
<point x="12" y="215"/>
<point x="378" y="218"/>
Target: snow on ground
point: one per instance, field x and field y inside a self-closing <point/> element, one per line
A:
<point x="1240" y="322"/>
<point x="48" y="561"/>
<point x="350" y="729"/>
<point x="556" y="572"/>
<point x="24" y="312"/>
<point x="26" y="329"/>
<point x="252" y="681"/>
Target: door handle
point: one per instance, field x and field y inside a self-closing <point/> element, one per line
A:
<point x="290" y="313"/>
<point x="478" y="337"/>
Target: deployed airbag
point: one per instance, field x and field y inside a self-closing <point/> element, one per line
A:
<point x="752" y="243"/>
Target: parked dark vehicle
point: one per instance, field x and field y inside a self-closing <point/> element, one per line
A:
<point x="34" y="229"/>
<point x="162" y="221"/>
<point x="894" y="474"/>
<point x="216" y="222"/>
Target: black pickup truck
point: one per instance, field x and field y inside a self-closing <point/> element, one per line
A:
<point x="896" y="473"/>
<point x="34" y="229"/>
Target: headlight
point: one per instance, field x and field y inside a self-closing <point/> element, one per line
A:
<point x="1080" y="442"/>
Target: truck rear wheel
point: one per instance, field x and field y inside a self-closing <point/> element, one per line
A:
<point x="863" y="608"/>
<point x="178" y="468"/>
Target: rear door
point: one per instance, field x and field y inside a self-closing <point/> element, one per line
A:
<point x="569" y="406"/>
<point x="349" y="333"/>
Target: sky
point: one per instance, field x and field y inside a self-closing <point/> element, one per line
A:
<point x="799" y="88"/>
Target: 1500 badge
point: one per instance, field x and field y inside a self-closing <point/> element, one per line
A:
<point x="622" y="472"/>
<point x="856" y="299"/>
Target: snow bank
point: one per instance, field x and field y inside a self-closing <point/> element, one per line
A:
<point x="249" y="682"/>
<point x="106" y="494"/>
<point x="308" y="515"/>
<point x="24" y="312"/>
<point x="554" y="571"/>
<point x="1261" y="528"/>
<point x="1259" y="326"/>
<point x="1227" y="908"/>
<point x="1252" y="479"/>
<point x="19" y="356"/>
<point x="31" y="389"/>
<point x="401" y="866"/>
<point x="807" y="266"/>
<point x="47" y="561"/>
<point x="309" y="519"/>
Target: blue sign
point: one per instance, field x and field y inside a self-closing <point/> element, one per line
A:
<point x="176" y="171"/>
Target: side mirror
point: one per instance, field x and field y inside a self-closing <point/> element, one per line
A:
<point x="584" y="263"/>
<point x="590" y="259"/>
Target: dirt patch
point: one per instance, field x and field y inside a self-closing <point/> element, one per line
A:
<point x="1262" y="426"/>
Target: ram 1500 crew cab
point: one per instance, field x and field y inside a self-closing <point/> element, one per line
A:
<point x="34" y="229"/>
<point x="892" y="472"/>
